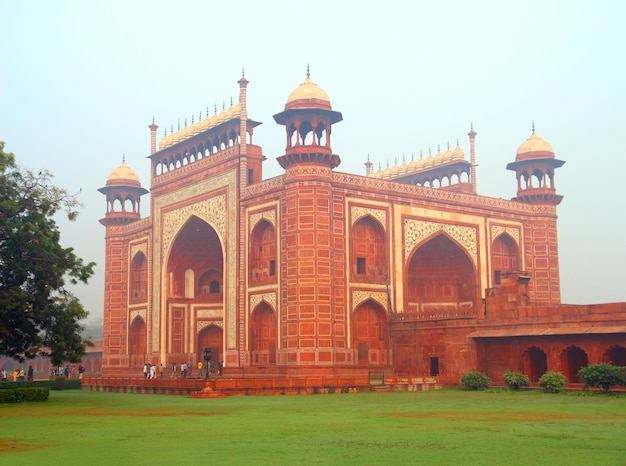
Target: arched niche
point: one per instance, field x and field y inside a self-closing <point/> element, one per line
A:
<point x="263" y="254"/>
<point x="505" y="256"/>
<point x="440" y="276"/>
<point x="369" y="251"/>
<point x="263" y="335"/>
<point x="370" y="335"/>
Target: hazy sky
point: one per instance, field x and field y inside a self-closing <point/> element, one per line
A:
<point x="81" y="80"/>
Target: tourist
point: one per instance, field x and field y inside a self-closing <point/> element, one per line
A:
<point x="173" y="370"/>
<point x="30" y="373"/>
<point x="3" y="375"/>
<point x="199" y="369"/>
<point x="160" y="371"/>
<point x="153" y="369"/>
<point x="145" y="371"/>
<point x="20" y="375"/>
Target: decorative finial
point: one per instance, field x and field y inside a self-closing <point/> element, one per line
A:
<point x="199" y="116"/>
<point x="412" y="159"/>
<point x="215" y="108"/>
<point x="308" y="71"/>
<point x="471" y="125"/>
<point x="448" y="145"/>
<point x="185" y="122"/>
<point x="152" y="119"/>
<point x="421" y="155"/>
<point x="243" y="72"/>
<point x="429" y="152"/>
<point x="192" y="123"/>
<point x="179" y="124"/>
<point x="403" y="159"/>
<point x="379" y="167"/>
<point x="368" y="157"/>
<point x="231" y="101"/>
<point x="165" y="131"/>
<point x="124" y="157"/>
<point x="223" y="105"/>
<point x="207" y="111"/>
<point x="533" y="127"/>
<point x="457" y="142"/>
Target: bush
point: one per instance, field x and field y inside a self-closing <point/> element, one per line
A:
<point x="59" y="383"/>
<point x="602" y="375"/>
<point x="553" y="382"/>
<point x="474" y="380"/>
<point x="514" y="380"/>
<point x="21" y="395"/>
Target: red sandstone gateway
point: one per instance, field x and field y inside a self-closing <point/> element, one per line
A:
<point x="406" y="270"/>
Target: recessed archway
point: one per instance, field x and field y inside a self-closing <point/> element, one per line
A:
<point x="370" y="336"/>
<point x="440" y="276"/>
<point x="263" y="335"/>
<point x="535" y="363"/>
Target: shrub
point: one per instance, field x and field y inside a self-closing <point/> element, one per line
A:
<point x="474" y="380"/>
<point x="602" y="375"/>
<point x="515" y="380"/>
<point x="59" y="383"/>
<point x="20" y="395"/>
<point x="553" y="382"/>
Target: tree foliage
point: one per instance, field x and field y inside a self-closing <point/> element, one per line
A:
<point x="38" y="315"/>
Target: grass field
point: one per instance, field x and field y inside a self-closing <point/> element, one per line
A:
<point x="438" y="427"/>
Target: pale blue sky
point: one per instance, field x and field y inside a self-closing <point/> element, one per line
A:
<point x="81" y="80"/>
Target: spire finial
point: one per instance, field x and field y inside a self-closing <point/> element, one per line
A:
<point x="207" y="111"/>
<point x="166" y="131"/>
<point x="124" y="157"/>
<point x="215" y="108"/>
<point x="192" y="122"/>
<point x="308" y="71"/>
<point x="179" y="124"/>
<point x="533" y="127"/>
<point x="457" y="142"/>
<point x="243" y="72"/>
<point x="472" y="125"/>
<point x="152" y="119"/>
<point x="223" y="105"/>
<point x="231" y="101"/>
<point x="421" y="155"/>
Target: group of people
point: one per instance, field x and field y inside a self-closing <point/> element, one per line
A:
<point x="71" y="371"/>
<point x="186" y="369"/>
<point x="152" y="371"/>
<point x="17" y="375"/>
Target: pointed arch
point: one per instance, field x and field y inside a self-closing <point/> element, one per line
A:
<point x="505" y="256"/>
<point x="211" y="336"/>
<point x="138" y="278"/>
<point x="263" y="335"/>
<point x="137" y="342"/>
<point x="263" y="254"/>
<point x="370" y="335"/>
<point x="440" y="276"/>
<point x="369" y="251"/>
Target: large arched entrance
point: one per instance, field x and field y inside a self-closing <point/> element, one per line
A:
<point x="137" y="342"/>
<point x="195" y="275"/>
<point x="535" y="363"/>
<point x="210" y="337"/>
<point x="573" y="359"/>
<point x="370" y="336"/>
<point x="440" y="278"/>
<point x="263" y="335"/>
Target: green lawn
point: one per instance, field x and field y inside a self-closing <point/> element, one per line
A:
<point x="437" y="427"/>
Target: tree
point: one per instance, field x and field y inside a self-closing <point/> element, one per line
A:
<point x="38" y="315"/>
